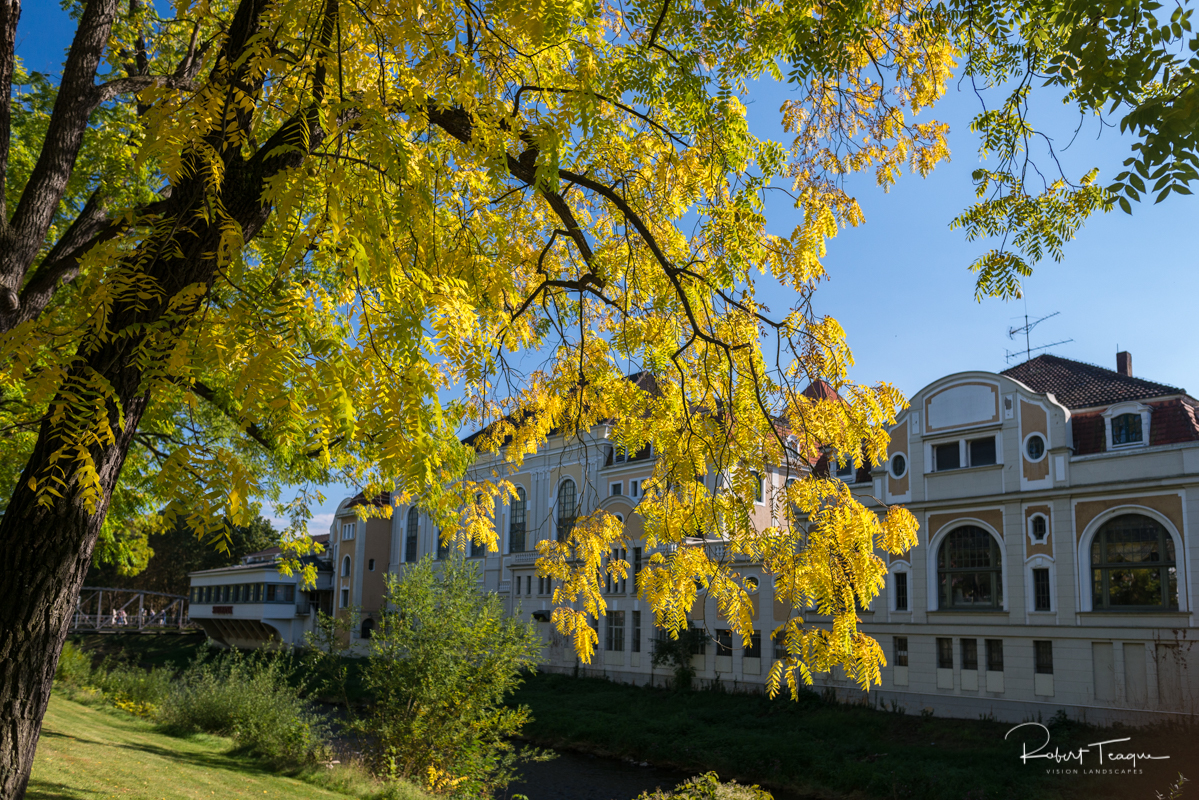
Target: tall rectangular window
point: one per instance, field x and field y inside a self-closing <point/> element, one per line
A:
<point x="347" y="532"/>
<point x="901" y="591"/>
<point x="699" y="641"/>
<point x="517" y="521"/>
<point x="724" y="642"/>
<point x="270" y="592"/>
<point x="970" y="654"/>
<point x="635" y="640"/>
<point x="944" y="653"/>
<point x="411" y="534"/>
<point x="1043" y="657"/>
<point x="994" y="655"/>
<point x="946" y="456"/>
<point x="778" y="646"/>
<point x="615" y="638"/>
<point x="1040" y="588"/>
<point x="753" y="646"/>
<point x="901" y="651"/>
<point x="636" y="566"/>
<point x="982" y="451"/>
<point x="345" y="598"/>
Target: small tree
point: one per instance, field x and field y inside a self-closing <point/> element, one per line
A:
<point x="442" y="660"/>
<point x="326" y="653"/>
<point x="676" y="652"/>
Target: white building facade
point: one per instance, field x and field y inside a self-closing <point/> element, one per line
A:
<point x="1055" y="569"/>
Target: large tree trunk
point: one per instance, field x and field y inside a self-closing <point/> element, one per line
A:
<point x="45" y="549"/>
<point x="44" y="555"/>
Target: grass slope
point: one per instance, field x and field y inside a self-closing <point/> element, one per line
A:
<point x="808" y="747"/>
<point x="92" y="753"/>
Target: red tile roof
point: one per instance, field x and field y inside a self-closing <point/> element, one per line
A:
<point x="1079" y="385"/>
<point x="379" y="501"/>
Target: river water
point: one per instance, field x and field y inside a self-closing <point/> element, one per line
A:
<point x="577" y="776"/>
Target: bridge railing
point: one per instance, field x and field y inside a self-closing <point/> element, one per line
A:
<point x="106" y="608"/>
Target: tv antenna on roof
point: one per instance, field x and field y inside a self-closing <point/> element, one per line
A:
<point x="1026" y="329"/>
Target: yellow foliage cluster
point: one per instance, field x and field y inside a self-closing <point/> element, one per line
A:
<point x="512" y="208"/>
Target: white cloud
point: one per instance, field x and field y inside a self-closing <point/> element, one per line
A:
<point x="317" y="526"/>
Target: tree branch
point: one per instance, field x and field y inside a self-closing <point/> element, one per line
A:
<point x="135" y="83"/>
<point x="21" y="240"/>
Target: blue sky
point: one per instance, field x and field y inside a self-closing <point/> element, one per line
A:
<point x="900" y="284"/>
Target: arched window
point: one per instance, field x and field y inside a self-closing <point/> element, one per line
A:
<point x="368" y="628"/>
<point x="345" y="567"/>
<point x="1133" y="566"/>
<point x="516" y="523"/>
<point x="969" y="570"/>
<point x="410" y="535"/>
<point x="567" y="508"/>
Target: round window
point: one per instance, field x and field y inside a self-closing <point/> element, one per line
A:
<point x="751" y="584"/>
<point x="1035" y="447"/>
<point x="899" y="465"/>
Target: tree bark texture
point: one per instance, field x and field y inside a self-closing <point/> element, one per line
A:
<point x="45" y="550"/>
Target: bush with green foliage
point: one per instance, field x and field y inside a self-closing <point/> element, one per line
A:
<point x="676" y="652"/>
<point x="708" y="787"/>
<point x="442" y="660"/>
<point x="74" y="667"/>
<point x="250" y="698"/>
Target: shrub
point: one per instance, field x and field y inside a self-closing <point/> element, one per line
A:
<point x="439" y="671"/>
<point x="251" y="699"/>
<point x="676" y="652"/>
<point x="74" y="667"/>
<point x="137" y="688"/>
<point x="708" y="787"/>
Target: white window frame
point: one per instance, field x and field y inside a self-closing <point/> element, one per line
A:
<point x="934" y="548"/>
<point x="1024" y="447"/>
<point x="761" y="479"/>
<point x="345" y="567"/>
<point x="618" y="486"/>
<point x="907" y="465"/>
<point x="963" y="452"/>
<point x="1034" y="540"/>
<point x="895" y="569"/>
<point x="348" y="530"/>
<point x="1040" y="561"/>
<point x="1120" y="410"/>
<point x="635" y="488"/>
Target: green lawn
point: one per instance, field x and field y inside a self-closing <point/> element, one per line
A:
<point x="98" y="754"/>
<point x="818" y="749"/>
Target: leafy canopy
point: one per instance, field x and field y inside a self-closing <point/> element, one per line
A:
<point x="471" y="183"/>
<point x="403" y="204"/>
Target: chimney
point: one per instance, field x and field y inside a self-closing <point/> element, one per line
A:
<point x="1124" y="363"/>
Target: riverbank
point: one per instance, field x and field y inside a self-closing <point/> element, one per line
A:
<point x="813" y="748"/>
